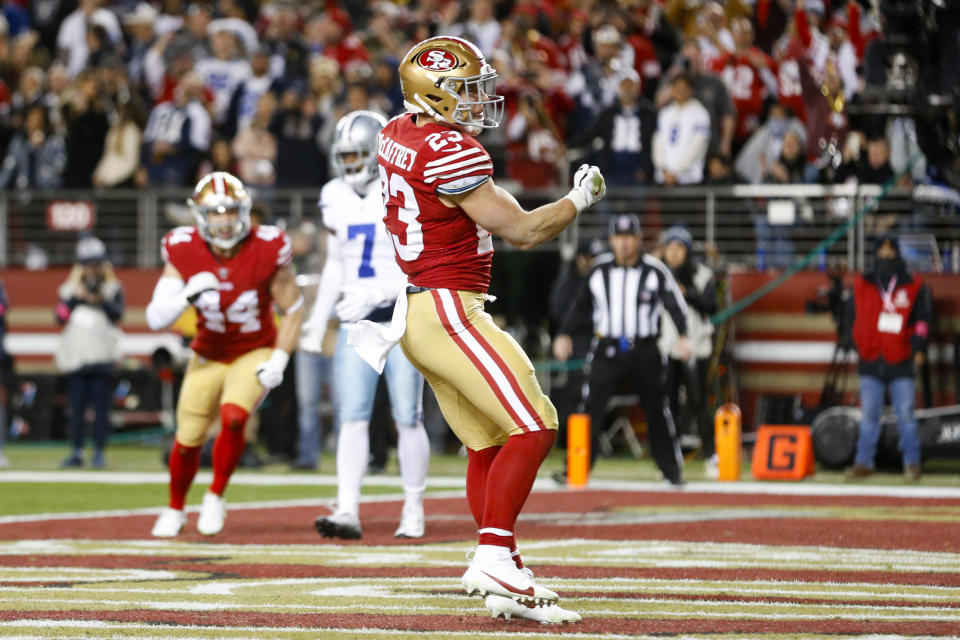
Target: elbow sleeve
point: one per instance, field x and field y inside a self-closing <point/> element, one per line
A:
<point x="167" y="304"/>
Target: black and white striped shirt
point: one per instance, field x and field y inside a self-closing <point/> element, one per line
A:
<point x="626" y="302"/>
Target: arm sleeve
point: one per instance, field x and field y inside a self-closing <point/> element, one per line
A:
<point x="167" y="304"/>
<point x="460" y="171"/>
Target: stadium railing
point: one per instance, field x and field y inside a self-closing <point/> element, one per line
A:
<point x="743" y="226"/>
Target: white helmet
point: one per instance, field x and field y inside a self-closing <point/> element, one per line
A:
<point x="357" y="136"/>
<point x="219" y="192"/>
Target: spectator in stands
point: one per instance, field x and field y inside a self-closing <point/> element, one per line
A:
<point x="386" y="85"/>
<point x="748" y="73"/>
<point x="791" y="165"/>
<point x="481" y="28"/>
<point x="243" y="102"/>
<point x="192" y="36"/>
<point x="121" y="149"/>
<point x="889" y="317"/>
<point x="91" y="304"/>
<point x="595" y="85"/>
<point x="623" y="132"/>
<point x="222" y="72"/>
<point x="535" y="148"/>
<point x="720" y="172"/>
<point x="255" y="148"/>
<point x="85" y="121"/>
<point x="139" y="28"/>
<point x="762" y="150"/>
<point x="177" y="136"/>
<point x="710" y="91"/>
<point x="36" y="156"/>
<point x="682" y="137"/>
<point x="296" y="126"/>
<point x="713" y="37"/>
<point x="696" y="283"/>
<point x="72" y="42"/>
<point x="219" y="158"/>
<point x="289" y="53"/>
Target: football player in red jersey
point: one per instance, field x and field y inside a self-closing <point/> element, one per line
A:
<point x="441" y="208"/>
<point x="233" y="273"/>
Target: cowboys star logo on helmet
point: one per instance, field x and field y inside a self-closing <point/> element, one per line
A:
<point x="220" y="192"/>
<point x="448" y="79"/>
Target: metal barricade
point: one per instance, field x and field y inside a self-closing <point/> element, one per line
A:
<point x="746" y="226"/>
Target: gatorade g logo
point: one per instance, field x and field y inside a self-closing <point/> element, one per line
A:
<point x="437" y="60"/>
<point x="782" y="452"/>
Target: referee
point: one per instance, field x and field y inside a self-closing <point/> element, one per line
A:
<point x="626" y="294"/>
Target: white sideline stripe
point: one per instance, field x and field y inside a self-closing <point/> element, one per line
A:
<point x="840" y="611"/>
<point x="494" y="371"/>
<point x="456" y="156"/>
<point x="235" y="506"/>
<point x="204" y="477"/>
<point x="542" y="485"/>
<point x="793" y="351"/>
<point x="374" y="632"/>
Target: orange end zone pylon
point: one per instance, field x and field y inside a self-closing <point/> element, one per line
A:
<point x="578" y="450"/>
<point x="727" y="441"/>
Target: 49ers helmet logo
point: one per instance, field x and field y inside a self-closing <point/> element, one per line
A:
<point x="437" y="60"/>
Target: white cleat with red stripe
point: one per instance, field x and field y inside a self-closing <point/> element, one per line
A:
<point x="494" y="571"/>
<point x="546" y="614"/>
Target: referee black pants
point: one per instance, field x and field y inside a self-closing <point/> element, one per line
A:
<point x="637" y="369"/>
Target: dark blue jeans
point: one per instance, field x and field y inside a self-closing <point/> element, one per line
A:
<point x="90" y="386"/>
<point x="871" y="401"/>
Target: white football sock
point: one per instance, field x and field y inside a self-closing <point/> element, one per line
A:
<point x="413" y="454"/>
<point x="353" y="454"/>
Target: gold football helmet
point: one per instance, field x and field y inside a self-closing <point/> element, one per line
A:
<point x="448" y="78"/>
<point x="220" y="192"/>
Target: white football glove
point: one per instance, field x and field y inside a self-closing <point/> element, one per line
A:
<point x="310" y="339"/>
<point x="589" y="187"/>
<point x="357" y="301"/>
<point x="270" y="372"/>
<point x="199" y="284"/>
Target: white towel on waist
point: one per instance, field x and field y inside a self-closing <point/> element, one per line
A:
<point x="373" y="341"/>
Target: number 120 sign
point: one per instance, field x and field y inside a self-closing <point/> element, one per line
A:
<point x="71" y="215"/>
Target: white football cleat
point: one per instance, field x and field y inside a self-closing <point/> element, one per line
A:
<point x="339" y="525"/>
<point x="169" y="523"/>
<point x="213" y="511"/>
<point x="411" y="521"/>
<point x="494" y="571"/>
<point x="547" y="614"/>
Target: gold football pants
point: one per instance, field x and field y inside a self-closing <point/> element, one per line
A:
<point x="484" y="382"/>
<point x="207" y="384"/>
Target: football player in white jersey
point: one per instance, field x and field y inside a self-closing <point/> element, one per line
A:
<point x="360" y="281"/>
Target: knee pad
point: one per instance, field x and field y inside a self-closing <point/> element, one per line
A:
<point x="233" y="417"/>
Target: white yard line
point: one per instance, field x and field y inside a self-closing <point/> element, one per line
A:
<point x="457" y="482"/>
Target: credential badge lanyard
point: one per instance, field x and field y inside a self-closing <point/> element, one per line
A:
<point x="887" y="296"/>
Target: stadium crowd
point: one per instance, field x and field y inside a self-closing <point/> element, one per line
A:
<point x="669" y="92"/>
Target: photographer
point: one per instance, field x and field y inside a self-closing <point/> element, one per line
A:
<point x="91" y="303"/>
<point x="889" y="318"/>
